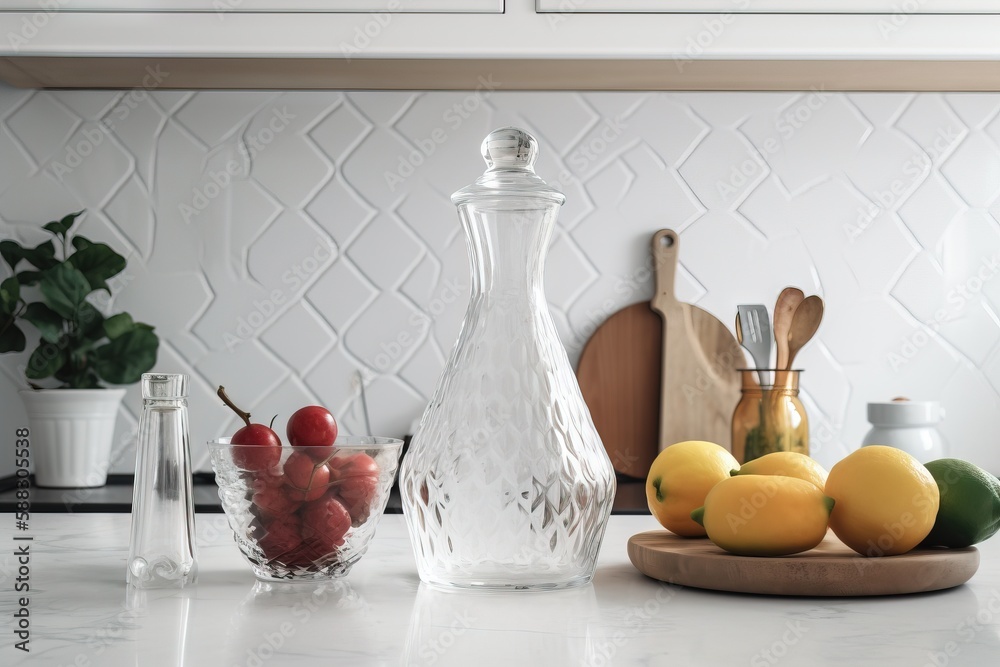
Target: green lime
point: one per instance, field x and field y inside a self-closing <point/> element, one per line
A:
<point x="970" y="504"/>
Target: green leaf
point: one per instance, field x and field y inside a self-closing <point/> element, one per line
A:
<point x="55" y="228"/>
<point x="78" y="373"/>
<point x="84" y="380"/>
<point x="64" y="289"/>
<point x="10" y="294"/>
<point x="90" y="323"/>
<point x="62" y="227"/>
<point x="46" y="320"/>
<point x="126" y="358"/>
<point x="12" y="253"/>
<point x="11" y="337"/>
<point x="98" y="262"/>
<point x="45" y="361"/>
<point x="80" y="243"/>
<point x="28" y="278"/>
<point x="42" y="256"/>
<point x="118" y="324"/>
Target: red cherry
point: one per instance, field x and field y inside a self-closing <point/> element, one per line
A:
<point x="356" y="482"/>
<point x="265" y="478"/>
<point x="325" y="522"/>
<point x="312" y="426"/>
<point x="274" y="502"/>
<point x="359" y="510"/>
<point x="354" y="465"/>
<point x="261" y="446"/>
<point x="281" y="537"/>
<point x="260" y="450"/>
<point x="311" y="556"/>
<point x="358" y="493"/>
<point x="309" y="480"/>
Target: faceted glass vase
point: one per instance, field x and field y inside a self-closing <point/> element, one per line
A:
<point x="162" y="544"/>
<point x="507" y="484"/>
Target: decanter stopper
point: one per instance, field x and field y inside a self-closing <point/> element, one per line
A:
<point x="510" y="148"/>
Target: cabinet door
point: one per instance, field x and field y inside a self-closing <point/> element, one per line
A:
<point x="890" y="7"/>
<point x="223" y="6"/>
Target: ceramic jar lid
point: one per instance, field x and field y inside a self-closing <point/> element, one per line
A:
<point x="904" y="412"/>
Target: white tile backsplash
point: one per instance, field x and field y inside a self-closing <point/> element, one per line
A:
<point x="281" y="241"/>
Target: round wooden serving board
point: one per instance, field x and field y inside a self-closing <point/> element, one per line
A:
<point x="829" y="570"/>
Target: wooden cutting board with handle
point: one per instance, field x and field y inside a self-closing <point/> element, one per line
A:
<point x="700" y="386"/>
<point x="655" y="374"/>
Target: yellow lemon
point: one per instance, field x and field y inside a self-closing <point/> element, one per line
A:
<point x="886" y="501"/>
<point x="765" y="515"/>
<point x="680" y="478"/>
<point x="786" y="464"/>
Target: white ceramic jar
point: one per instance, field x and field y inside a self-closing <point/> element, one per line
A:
<point x="908" y="425"/>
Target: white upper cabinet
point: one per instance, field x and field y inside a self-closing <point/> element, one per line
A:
<point x="519" y="44"/>
<point x="886" y="7"/>
<point x="277" y="6"/>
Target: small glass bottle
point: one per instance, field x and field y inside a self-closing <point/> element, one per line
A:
<point x="507" y="484"/>
<point x="769" y="418"/>
<point x="162" y="545"/>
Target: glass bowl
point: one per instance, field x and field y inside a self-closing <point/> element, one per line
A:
<point x="305" y="513"/>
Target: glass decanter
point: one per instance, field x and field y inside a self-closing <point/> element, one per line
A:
<point x="507" y="484"/>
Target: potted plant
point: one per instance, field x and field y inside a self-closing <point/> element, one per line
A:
<point x="53" y="288"/>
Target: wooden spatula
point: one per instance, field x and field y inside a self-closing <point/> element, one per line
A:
<point x="700" y="386"/>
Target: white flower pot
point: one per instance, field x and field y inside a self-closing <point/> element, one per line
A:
<point x="71" y="435"/>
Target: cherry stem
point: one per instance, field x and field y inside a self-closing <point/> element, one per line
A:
<point x="245" y="416"/>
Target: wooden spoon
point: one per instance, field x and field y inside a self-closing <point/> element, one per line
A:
<point x="784" y="309"/>
<point x="805" y="322"/>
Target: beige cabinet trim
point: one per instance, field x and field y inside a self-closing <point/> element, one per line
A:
<point x="471" y="74"/>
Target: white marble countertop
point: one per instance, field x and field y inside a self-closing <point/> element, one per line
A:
<point x="80" y="613"/>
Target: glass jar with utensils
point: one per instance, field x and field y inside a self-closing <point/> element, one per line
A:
<point x="770" y="417"/>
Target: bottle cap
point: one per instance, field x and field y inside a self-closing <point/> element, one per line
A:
<point x="162" y="386"/>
